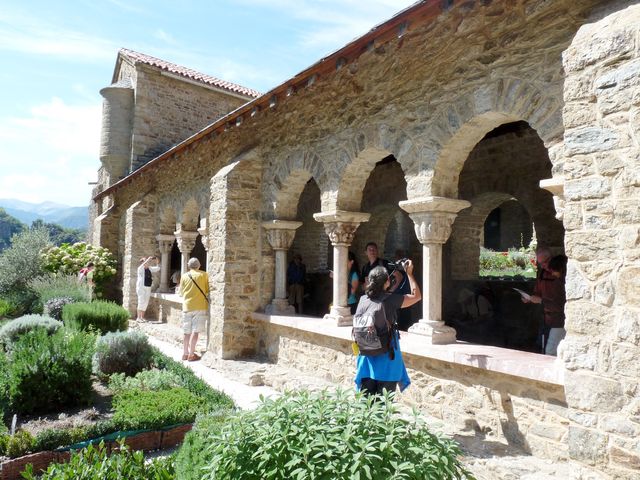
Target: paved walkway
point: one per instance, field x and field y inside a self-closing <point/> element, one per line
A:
<point x="245" y="381"/>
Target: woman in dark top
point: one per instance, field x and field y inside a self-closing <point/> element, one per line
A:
<point x="375" y="373"/>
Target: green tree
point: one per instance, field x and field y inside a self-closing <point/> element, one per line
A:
<point x="21" y="262"/>
<point x="60" y="234"/>
<point x="9" y="226"/>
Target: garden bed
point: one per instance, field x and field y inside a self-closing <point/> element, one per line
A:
<point x="11" y="469"/>
<point x="68" y="388"/>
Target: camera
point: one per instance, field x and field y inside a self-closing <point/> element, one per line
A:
<point x="400" y="265"/>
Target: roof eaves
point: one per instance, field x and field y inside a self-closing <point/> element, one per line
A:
<point x="397" y="26"/>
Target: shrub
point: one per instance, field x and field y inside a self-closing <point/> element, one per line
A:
<point x="216" y="399"/>
<point x="70" y="258"/>
<point x="140" y="409"/>
<point x="329" y="435"/>
<point x="194" y="455"/>
<point x="60" y="285"/>
<point x="19" y="444"/>
<point x="103" y="316"/>
<point x="21" y="262"/>
<point x="46" y="372"/>
<point x="4" y="385"/>
<point x="4" y="441"/>
<point x="96" y="463"/>
<point x="122" y="352"/>
<point x="153" y="380"/>
<point x="53" y="307"/>
<point x="7" y="308"/>
<point x="11" y="331"/>
<point x="21" y="301"/>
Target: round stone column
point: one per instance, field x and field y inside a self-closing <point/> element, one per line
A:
<point x="280" y="235"/>
<point x="340" y="227"/>
<point x="433" y="217"/>
<point x="165" y="243"/>
<point x="117" y="126"/>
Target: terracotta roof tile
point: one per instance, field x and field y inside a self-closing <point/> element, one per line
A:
<point x="188" y="73"/>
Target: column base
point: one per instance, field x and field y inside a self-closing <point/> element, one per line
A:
<point x="437" y="332"/>
<point x="280" y="306"/>
<point x="341" y="315"/>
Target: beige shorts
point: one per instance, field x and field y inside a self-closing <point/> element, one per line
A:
<point x="194" y="322"/>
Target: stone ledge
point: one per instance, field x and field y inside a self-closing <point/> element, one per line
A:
<point x="533" y="366"/>
<point x="168" y="297"/>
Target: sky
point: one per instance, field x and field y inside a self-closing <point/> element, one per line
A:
<point x="56" y="56"/>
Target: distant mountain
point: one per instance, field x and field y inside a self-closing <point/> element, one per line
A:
<point x="64" y="215"/>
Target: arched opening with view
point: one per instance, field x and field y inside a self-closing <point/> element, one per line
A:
<point x="493" y="242"/>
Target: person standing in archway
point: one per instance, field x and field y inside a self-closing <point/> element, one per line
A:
<point x="296" y="274"/>
<point x="194" y="289"/>
<point x="550" y="292"/>
<point x="353" y="282"/>
<point x="374" y="261"/>
<point x="383" y="369"/>
<point x="148" y="266"/>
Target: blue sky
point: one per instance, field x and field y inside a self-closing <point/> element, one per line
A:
<point x="56" y="56"/>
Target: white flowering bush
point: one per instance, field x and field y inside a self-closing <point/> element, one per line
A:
<point x="70" y="258"/>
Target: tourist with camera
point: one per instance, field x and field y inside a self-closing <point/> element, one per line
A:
<point x="379" y="365"/>
<point x="374" y="261"/>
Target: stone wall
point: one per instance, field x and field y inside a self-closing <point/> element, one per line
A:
<point x="528" y="414"/>
<point x="139" y="241"/>
<point x="169" y="109"/>
<point x="234" y="257"/>
<point x="602" y="221"/>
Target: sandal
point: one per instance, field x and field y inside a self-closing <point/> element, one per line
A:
<point x="185" y="357"/>
<point x="193" y="357"/>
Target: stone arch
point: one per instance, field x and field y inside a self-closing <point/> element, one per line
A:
<point x="455" y="131"/>
<point x="189" y="215"/>
<point x="358" y="159"/>
<point x="375" y="230"/>
<point x="168" y="219"/>
<point x="310" y="239"/>
<point x="287" y="182"/>
<point x="467" y="233"/>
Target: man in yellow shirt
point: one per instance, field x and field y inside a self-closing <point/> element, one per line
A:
<point x="194" y="289"/>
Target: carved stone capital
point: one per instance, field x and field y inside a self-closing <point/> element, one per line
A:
<point x="280" y="233"/>
<point x="203" y="231"/>
<point x="186" y="240"/>
<point x="165" y="243"/>
<point x="555" y="185"/>
<point x="433" y="217"/>
<point x="433" y="227"/>
<point x="341" y="226"/>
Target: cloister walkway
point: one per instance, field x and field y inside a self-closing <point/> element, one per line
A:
<point x="246" y="380"/>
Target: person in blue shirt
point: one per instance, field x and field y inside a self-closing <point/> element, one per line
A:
<point x="385" y="371"/>
<point x="353" y="282"/>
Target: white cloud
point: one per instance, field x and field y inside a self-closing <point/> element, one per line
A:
<point x="161" y="35"/>
<point x="330" y="24"/>
<point x="28" y="34"/>
<point x="50" y="154"/>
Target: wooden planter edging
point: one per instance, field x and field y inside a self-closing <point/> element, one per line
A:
<point x="146" y="441"/>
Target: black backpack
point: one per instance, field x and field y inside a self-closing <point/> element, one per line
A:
<point x="372" y="332"/>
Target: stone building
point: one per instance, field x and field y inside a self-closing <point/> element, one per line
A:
<point x="409" y="136"/>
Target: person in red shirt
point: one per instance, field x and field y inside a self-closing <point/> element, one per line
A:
<point x="550" y="292"/>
